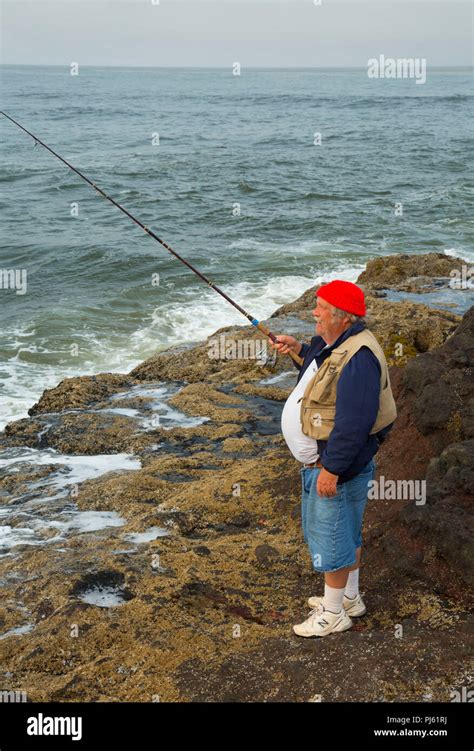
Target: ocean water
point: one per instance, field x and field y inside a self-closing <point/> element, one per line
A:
<point x="307" y="212"/>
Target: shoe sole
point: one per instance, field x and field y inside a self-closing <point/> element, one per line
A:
<point x="354" y="613"/>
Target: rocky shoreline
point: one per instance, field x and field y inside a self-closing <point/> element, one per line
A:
<point x="177" y="575"/>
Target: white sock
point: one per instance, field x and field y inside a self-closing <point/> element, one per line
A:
<point x="332" y="599"/>
<point x="352" y="586"/>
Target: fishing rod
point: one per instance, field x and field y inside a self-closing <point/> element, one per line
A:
<point x="213" y="286"/>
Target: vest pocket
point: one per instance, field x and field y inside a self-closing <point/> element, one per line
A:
<point x="318" y="420"/>
<point x="319" y="413"/>
<point x="325" y="389"/>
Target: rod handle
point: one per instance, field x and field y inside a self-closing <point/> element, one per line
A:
<point x="268" y="333"/>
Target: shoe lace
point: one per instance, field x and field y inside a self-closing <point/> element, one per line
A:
<point x="318" y="610"/>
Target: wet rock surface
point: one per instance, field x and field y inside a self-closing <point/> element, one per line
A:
<point x="410" y="273"/>
<point x="158" y="549"/>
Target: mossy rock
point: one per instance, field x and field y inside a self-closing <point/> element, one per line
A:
<point x="399" y="350"/>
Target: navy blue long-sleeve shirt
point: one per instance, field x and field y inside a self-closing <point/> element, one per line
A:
<point x="350" y="446"/>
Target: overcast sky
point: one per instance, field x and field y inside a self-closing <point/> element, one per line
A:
<point x="267" y="33"/>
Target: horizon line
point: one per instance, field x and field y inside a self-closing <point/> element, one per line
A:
<point x="219" y="67"/>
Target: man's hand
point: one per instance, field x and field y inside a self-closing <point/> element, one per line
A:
<point x="286" y="343"/>
<point x="326" y="485"/>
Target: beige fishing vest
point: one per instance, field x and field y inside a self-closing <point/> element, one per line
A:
<point x="318" y="403"/>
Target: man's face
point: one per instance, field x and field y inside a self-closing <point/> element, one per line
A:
<point x="329" y="326"/>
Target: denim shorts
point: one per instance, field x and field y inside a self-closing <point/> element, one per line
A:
<point x="332" y="527"/>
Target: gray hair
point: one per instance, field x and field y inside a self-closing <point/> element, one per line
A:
<point x="338" y="313"/>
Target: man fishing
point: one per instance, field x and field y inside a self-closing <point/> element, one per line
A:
<point x="333" y="422"/>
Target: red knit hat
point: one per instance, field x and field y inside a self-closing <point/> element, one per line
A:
<point x="344" y="295"/>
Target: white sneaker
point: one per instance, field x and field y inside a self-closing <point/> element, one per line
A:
<point x="322" y="622"/>
<point x="353" y="607"/>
